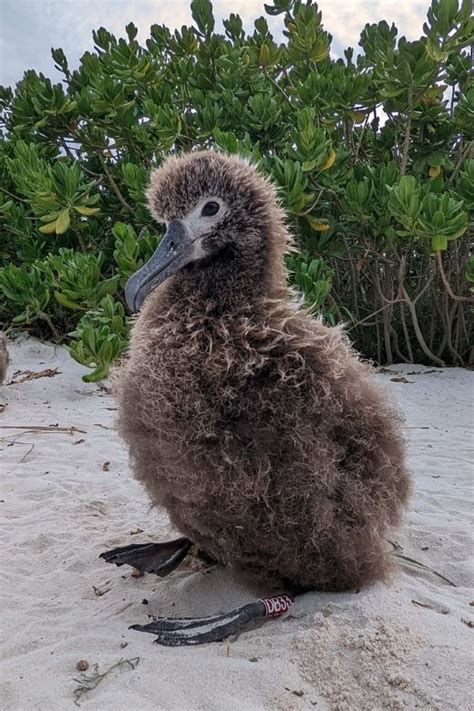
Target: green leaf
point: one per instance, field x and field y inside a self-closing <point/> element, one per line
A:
<point x="264" y="56"/>
<point x="49" y="228"/>
<point x="64" y="301"/>
<point x="439" y="243"/>
<point x="87" y="211"/>
<point x="63" y="222"/>
<point x="435" y="52"/>
<point x="98" y="374"/>
<point x="51" y="217"/>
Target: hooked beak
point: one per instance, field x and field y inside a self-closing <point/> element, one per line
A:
<point x="170" y="256"/>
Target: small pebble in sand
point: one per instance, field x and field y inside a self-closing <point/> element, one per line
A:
<point x="82" y="665"/>
<point x="295" y="692"/>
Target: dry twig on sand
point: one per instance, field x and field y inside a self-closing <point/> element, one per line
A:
<point x="39" y="429"/>
<point x="88" y="682"/>
<point x="412" y="563"/>
<point x="24" y="375"/>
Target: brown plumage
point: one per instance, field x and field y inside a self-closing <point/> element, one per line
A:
<point x="254" y="425"/>
<point x="4" y="359"/>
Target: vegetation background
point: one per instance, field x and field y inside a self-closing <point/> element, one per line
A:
<point x="373" y="156"/>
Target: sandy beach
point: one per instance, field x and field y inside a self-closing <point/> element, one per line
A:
<point x="67" y="494"/>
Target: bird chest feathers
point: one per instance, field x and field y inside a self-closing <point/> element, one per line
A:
<point x="227" y="389"/>
<point x="197" y="371"/>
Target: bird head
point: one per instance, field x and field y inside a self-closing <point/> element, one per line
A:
<point x="217" y="210"/>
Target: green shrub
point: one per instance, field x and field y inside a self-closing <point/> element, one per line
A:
<point x="100" y="337"/>
<point x="372" y="155"/>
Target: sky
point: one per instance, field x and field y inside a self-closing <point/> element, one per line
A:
<point x="29" y="28"/>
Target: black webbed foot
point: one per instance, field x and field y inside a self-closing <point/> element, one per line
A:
<point x="184" y="631"/>
<point x="158" y="558"/>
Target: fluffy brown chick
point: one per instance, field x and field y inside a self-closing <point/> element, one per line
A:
<point x="255" y="426"/>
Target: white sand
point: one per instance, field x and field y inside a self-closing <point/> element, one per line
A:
<point x="372" y="650"/>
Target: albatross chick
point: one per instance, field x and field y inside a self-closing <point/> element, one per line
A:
<point x="255" y="426"/>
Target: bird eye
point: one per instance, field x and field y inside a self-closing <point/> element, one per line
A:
<point x="210" y="208"/>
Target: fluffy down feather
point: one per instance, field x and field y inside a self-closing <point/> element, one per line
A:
<point x="255" y="426"/>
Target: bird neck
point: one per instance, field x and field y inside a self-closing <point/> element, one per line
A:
<point x="231" y="281"/>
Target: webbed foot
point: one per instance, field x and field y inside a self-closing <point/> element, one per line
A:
<point x="185" y="631"/>
<point x="158" y="558"/>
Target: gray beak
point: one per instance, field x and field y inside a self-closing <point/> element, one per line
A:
<point x="170" y="256"/>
